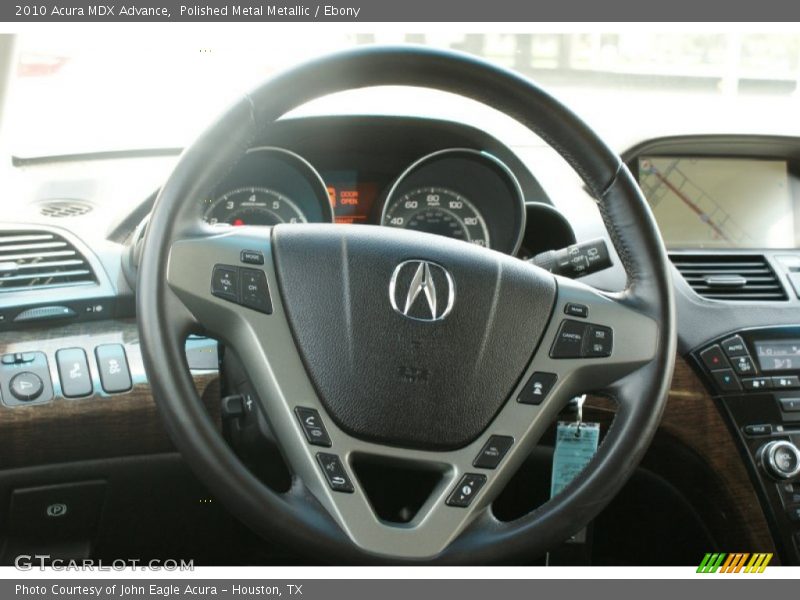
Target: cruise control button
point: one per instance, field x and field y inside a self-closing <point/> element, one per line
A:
<point x="726" y="380"/>
<point x="113" y="366"/>
<point x="493" y="452"/>
<point x="714" y="359"/>
<point x="569" y="340"/>
<point x="73" y="369"/>
<point x="466" y="490"/>
<point x="255" y="291"/>
<point x="537" y="388"/>
<point x="734" y="346"/>
<point x="26" y="386"/>
<point x="757" y="383"/>
<point x="334" y="472"/>
<point x="786" y="381"/>
<point x="312" y="426"/>
<point x="225" y="282"/>
<point x="599" y="342"/>
<point x="743" y="365"/>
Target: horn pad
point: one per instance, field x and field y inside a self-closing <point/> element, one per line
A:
<point x="410" y="339"/>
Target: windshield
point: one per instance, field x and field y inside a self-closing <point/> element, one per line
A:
<point x="116" y="91"/>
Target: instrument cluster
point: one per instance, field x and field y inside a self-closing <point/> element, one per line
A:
<point x="461" y="193"/>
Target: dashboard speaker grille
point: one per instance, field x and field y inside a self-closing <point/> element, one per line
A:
<point x="732" y="277"/>
<point x="59" y="209"/>
<point x="40" y="259"/>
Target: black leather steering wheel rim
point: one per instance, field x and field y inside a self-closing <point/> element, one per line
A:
<point x="164" y="321"/>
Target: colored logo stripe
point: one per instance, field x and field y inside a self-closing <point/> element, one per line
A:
<point x="734" y="563"/>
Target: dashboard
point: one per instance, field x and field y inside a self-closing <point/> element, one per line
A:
<point x="726" y="206"/>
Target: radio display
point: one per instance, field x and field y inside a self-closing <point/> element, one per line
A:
<point x="782" y="355"/>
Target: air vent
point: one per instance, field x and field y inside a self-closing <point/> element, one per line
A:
<point x="40" y="259"/>
<point x="59" y="209"/>
<point x="730" y="276"/>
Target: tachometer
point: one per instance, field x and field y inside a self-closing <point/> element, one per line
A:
<point x="438" y="210"/>
<point x="253" y="206"/>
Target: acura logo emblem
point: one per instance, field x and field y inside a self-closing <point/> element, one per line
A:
<point x="422" y="290"/>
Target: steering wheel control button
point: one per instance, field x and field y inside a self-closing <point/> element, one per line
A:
<point x="466" y="490"/>
<point x="756" y="430"/>
<point x="73" y="369"/>
<point x="493" y="452"/>
<point x="785" y="382"/>
<point x="255" y="291"/>
<point x="312" y="426"/>
<point x="576" y="310"/>
<point x="726" y="380"/>
<point x="757" y="383"/>
<point x="334" y="472"/>
<point x="714" y="359"/>
<point x="599" y="342"/>
<point x="113" y="367"/>
<point x="537" y="388"/>
<point x="225" y="282"/>
<point x="26" y="386"/>
<point x="734" y="346"/>
<point x="569" y="340"/>
<point x="743" y="365"/>
<point x="252" y="257"/>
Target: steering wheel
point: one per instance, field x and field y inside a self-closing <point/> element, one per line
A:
<point x="373" y="343"/>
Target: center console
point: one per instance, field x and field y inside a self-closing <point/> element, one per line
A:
<point x="755" y="375"/>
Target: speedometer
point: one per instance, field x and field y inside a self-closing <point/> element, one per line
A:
<point x="438" y="210"/>
<point x="253" y="206"/>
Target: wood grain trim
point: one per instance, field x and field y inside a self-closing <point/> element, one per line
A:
<point x="98" y="426"/>
<point x="693" y="419"/>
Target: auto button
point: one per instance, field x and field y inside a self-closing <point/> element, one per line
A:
<point x="113" y="366"/>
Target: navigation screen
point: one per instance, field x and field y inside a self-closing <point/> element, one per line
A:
<point x="720" y="202"/>
<point x="779" y="356"/>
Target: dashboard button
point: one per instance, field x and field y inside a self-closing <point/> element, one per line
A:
<point x="493" y="452"/>
<point x="785" y="382"/>
<point x="790" y="404"/>
<point x="574" y="309"/>
<point x="743" y="365"/>
<point x="26" y="386"/>
<point x="225" y="282"/>
<point x="714" y="359"/>
<point x="569" y="340"/>
<point x="537" y="388"/>
<point x="726" y="380"/>
<point x="753" y="430"/>
<point x="467" y="488"/>
<point x="255" y="291"/>
<point x="312" y="426"/>
<point x="113" y="367"/>
<point x="757" y="383"/>
<point x="73" y="369"/>
<point x="334" y="472"/>
<point x="252" y="257"/>
<point x="734" y="346"/>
